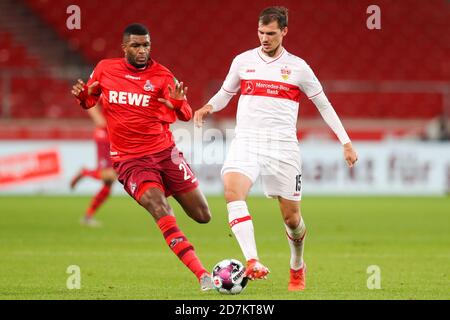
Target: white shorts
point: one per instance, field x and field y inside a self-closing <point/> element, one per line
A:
<point x="279" y="166"/>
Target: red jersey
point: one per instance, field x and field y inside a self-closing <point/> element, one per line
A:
<point x="101" y="134"/>
<point x="138" y="124"/>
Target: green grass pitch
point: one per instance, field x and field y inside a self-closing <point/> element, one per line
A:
<point x="408" y="238"/>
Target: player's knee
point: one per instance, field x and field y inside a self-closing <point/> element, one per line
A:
<point x="109" y="176"/>
<point x="232" y="194"/>
<point x="292" y="221"/>
<point x="108" y="182"/>
<point x="203" y="214"/>
<point x="200" y="212"/>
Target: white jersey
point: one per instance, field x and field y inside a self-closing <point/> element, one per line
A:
<point x="266" y="123"/>
<point x="270" y="93"/>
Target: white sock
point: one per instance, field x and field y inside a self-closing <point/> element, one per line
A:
<point x="296" y="240"/>
<point x="241" y="223"/>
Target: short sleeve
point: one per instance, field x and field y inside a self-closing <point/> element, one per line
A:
<point x="232" y="81"/>
<point x="309" y="84"/>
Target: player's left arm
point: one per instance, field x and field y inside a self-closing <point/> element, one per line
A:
<point x="332" y="119"/>
<point x="97" y="116"/>
<point x="311" y="86"/>
<point x="175" y="99"/>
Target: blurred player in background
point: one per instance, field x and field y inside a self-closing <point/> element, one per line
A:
<point x="271" y="81"/>
<point x="140" y="99"/>
<point x="104" y="171"/>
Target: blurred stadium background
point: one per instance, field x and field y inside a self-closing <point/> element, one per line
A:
<point x="390" y="87"/>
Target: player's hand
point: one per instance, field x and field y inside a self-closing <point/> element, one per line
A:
<point x="350" y="155"/>
<point x="202" y="113"/>
<point x="179" y="93"/>
<point x="79" y="87"/>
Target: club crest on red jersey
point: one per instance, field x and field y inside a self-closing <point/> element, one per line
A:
<point x="285" y="72"/>
<point x="133" y="187"/>
<point x="148" y="86"/>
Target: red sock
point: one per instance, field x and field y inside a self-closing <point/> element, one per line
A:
<point x="95" y="174"/>
<point x="178" y="243"/>
<point x="98" y="200"/>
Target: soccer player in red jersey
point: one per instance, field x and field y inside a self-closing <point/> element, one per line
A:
<point x="104" y="171"/>
<point x="140" y="99"/>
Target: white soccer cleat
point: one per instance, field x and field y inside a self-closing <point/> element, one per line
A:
<point x="90" y="222"/>
<point x="206" y="282"/>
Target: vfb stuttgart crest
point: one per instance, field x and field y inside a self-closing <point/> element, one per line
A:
<point x="148" y="86"/>
<point x="285" y="72"/>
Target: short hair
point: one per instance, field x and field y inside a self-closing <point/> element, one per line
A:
<point x="136" y="29"/>
<point x="279" y="14"/>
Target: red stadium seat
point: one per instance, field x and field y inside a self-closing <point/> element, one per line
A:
<point x="54" y="103"/>
<point x="412" y="45"/>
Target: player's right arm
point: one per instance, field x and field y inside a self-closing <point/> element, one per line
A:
<point x="221" y="99"/>
<point x="88" y="94"/>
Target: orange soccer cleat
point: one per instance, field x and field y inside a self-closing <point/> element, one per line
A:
<point x="297" y="282"/>
<point x="256" y="270"/>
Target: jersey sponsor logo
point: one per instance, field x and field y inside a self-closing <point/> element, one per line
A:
<point x="129" y="76"/>
<point x="175" y="241"/>
<point x="248" y="87"/>
<point x="148" y="86"/>
<point x="272" y="89"/>
<point x="128" y="98"/>
<point x="250" y="70"/>
<point x="285" y="72"/>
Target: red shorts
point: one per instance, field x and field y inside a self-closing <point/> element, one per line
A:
<point x="166" y="170"/>
<point x="103" y="155"/>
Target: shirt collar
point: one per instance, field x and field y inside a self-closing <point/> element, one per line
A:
<point x="150" y="63"/>
<point x="268" y="59"/>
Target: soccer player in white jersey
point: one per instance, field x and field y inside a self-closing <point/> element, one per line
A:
<point x="271" y="81"/>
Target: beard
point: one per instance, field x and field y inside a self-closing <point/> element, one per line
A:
<point x="134" y="63"/>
